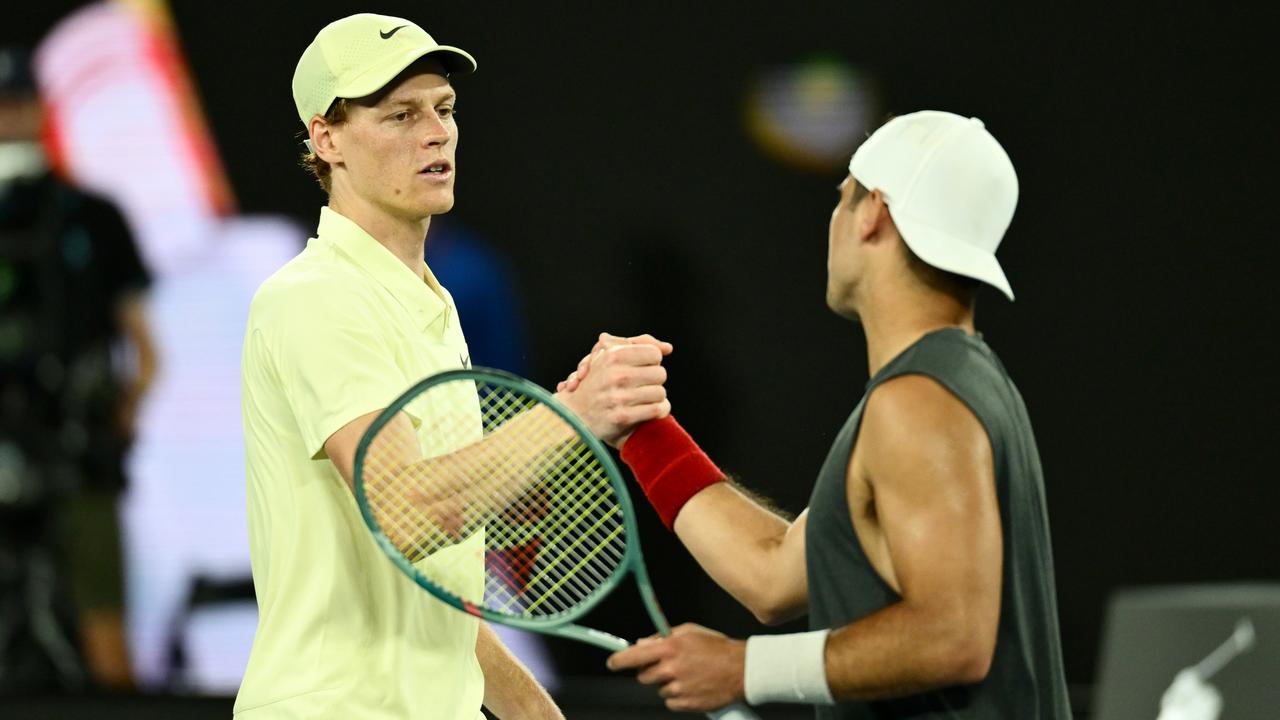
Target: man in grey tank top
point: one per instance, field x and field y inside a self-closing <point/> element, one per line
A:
<point x="923" y="560"/>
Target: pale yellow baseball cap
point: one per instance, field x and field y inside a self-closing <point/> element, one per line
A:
<point x="359" y="54"/>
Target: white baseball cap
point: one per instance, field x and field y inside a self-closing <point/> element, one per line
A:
<point x="359" y="54"/>
<point x="950" y="189"/>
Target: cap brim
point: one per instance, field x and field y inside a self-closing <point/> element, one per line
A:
<point x="456" y="61"/>
<point x="945" y="253"/>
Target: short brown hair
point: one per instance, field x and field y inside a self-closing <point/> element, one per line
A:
<point x="336" y="115"/>
<point x="948" y="282"/>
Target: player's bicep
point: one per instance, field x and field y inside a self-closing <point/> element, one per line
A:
<point x="930" y="463"/>
<point x="341" y="446"/>
<point x="792" y="571"/>
<point x="387" y="453"/>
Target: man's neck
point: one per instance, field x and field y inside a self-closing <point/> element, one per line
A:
<point x="896" y="320"/>
<point x="403" y="237"/>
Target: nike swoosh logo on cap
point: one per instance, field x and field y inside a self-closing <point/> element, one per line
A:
<point x="391" y="32"/>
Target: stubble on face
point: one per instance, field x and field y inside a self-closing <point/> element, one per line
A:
<point x="841" y="249"/>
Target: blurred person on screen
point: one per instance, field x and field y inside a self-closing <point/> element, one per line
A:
<point x="72" y="288"/>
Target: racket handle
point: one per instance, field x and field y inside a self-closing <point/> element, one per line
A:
<point x="736" y="711"/>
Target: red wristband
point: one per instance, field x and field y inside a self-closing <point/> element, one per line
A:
<point x="669" y="466"/>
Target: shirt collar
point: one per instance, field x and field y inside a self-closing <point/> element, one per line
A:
<point x="416" y="294"/>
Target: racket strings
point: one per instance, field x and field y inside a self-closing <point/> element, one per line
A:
<point x="496" y="499"/>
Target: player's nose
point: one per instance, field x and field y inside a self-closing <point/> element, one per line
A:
<point x="436" y="132"/>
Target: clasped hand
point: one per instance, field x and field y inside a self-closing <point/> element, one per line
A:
<point x="618" y="386"/>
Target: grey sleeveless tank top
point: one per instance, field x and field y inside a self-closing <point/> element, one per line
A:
<point x="1026" y="680"/>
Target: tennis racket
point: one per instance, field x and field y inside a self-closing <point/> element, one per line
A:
<point x="500" y="502"/>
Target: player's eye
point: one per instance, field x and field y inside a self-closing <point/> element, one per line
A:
<point x="446" y="111"/>
<point x="401" y="116"/>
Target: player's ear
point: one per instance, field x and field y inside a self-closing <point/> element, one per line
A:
<point x="323" y="143"/>
<point x="875" y="217"/>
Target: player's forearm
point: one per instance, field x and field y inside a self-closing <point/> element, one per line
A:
<point x="502" y="465"/>
<point x="745" y="546"/>
<point x="903" y="650"/>
<point x="748" y="549"/>
<point x="510" y="690"/>
<point x="436" y="498"/>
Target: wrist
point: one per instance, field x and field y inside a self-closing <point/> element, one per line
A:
<point x="739" y="655"/>
<point x="621" y="440"/>
<point x="787" y="668"/>
<point x="668" y="465"/>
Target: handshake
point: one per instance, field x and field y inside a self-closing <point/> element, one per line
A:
<point x="618" y="386"/>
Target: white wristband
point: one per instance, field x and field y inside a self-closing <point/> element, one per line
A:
<point x="788" y="668"/>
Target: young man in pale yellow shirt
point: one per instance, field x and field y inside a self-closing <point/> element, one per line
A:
<point x="333" y="337"/>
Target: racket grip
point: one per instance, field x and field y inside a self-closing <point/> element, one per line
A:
<point x="736" y="711"/>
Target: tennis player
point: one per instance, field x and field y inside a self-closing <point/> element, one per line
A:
<point x="333" y="337"/>
<point x="923" y="560"/>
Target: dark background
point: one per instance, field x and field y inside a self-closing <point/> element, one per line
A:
<point x="603" y="150"/>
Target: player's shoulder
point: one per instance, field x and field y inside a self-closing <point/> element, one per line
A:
<point x="911" y="423"/>
<point x="310" y="287"/>
<point x="912" y="405"/>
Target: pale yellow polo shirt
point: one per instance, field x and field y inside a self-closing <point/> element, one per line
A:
<point x="339" y="332"/>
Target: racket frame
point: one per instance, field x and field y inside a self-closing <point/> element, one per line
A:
<point x="560" y="624"/>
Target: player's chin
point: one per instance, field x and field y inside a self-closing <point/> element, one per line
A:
<point x="841" y="303"/>
<point x="437" y="202"/>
